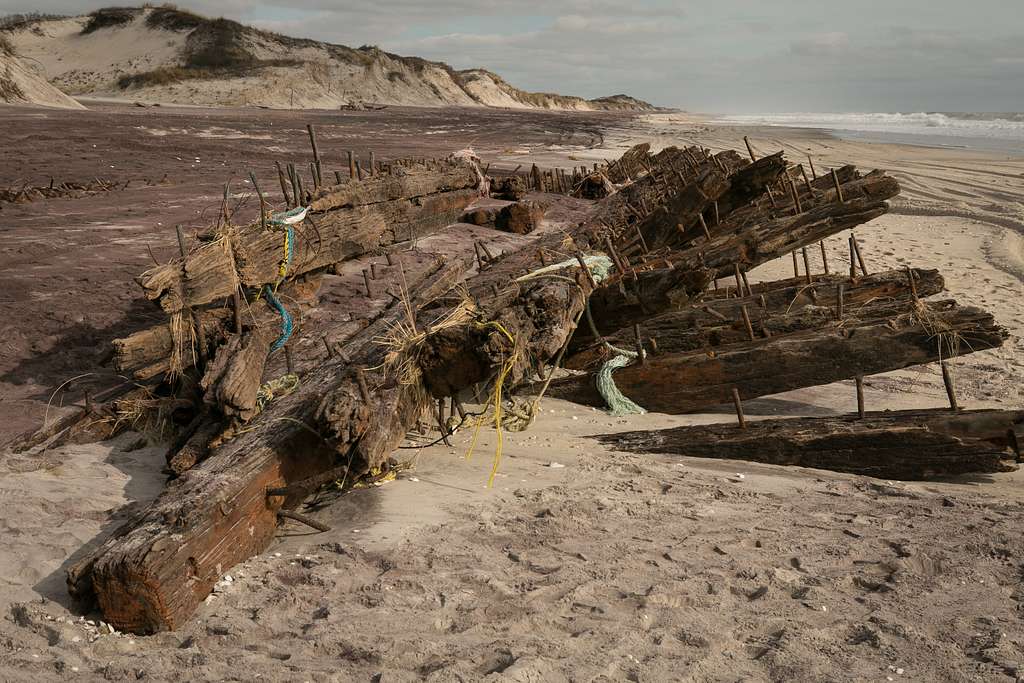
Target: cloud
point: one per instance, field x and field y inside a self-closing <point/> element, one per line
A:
<point x="822" y="45"/>
<point x="705" y="55"/>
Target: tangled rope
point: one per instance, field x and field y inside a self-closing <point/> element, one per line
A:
<point x="618" y="403"/>
<point x="286" y="220"/>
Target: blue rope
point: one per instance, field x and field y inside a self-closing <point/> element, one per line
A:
<point x="286" y="320"/>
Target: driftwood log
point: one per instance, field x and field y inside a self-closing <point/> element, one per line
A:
<point x="909" y="445"/>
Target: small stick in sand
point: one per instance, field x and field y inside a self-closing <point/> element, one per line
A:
<point x="303" y="519"/>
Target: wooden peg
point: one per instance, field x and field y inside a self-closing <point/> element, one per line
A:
<point x="856" y="250"/>
<point x="810" y="161"/>
<point x="704" y="226"/>
<point x="586" y="270"/>
<point x="859" y="379"/>
<point x="807" y="266"/>
<point x="351" y="165"/>
<point x="639" y="344"/>
<point x="824" y="256"/>
<point x="913" y="285"/>
<point x="284" y="185"/>
<point x="840" y="293"/>
<point x="839" y="189"/>
<point x="739" y="408"/>
<point x="750" y="150"/>
<point x="373" y="164"/>
<point x="796" y="266"/>
<point x="947" y="379"/>
<point x="366" y="279"/>
<point x="746" y="322"/>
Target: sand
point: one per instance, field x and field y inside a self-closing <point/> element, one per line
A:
<point x="589" y="565"/>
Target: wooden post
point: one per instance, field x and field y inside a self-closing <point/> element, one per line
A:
<point x="390" y="258"/>
<point x="337" y="177"/>
<point x="746" y="322"/>
<point x="715" y="205"/>
<point x="824" y="256"/>
<point x="739" y="279"/>
<point x="351" y="165"/>
<point x="284" y="185"/>
<point x="814" y="174"/>
<point x="288" y="360"/>
<point x="586" y="270"/>
<point x="796" y="197"/>
<point x="807" y="265"/>
<point x="318" y="179"/>
<point x="373" y="164"/>
<point x="639" y="344"/>
<point x="263" y="203"/>
<point x="750" y="150"/>
<point x="704" y="225"/>
<point x="859" y="379"/>
<point x="739" y="408"/>
<point x="746" y="284"/>
<point x="840" y="293"/>
<point x="327" y="345"/>
<point x="487" y="252"/>
<point x="359" y="170"/>
<point x="294" y="176"/>
<point x="237" y="300"/>
<point x="947" y="379"/>
<point x="373" y="271"/>
<point x="839" y="189"/>
<point x="366" y="279"/>
<point x="796" y="266"/>
<point x="853" y="259"/>
<point x="314" y="175"/>
<point x="856" y="250"/>
<point x="807" y="182"/>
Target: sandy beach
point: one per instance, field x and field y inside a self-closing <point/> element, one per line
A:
<point x="580" y="564"/>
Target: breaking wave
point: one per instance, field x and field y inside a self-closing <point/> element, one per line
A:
<point x="1007" y="126"/>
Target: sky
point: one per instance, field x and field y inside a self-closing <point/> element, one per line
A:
<point x="712" y="56"/>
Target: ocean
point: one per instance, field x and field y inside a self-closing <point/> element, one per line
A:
<point x="1001" y="132"/>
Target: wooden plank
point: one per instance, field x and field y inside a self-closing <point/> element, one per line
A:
<point x="908" y="445"/>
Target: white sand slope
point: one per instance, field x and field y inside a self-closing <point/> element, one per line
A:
<point x="19" y="85"/>
<point x="170" y="56"/>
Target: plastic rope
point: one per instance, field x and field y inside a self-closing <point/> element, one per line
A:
<point x="286" y="320"/>
<point x="618" y="403"/>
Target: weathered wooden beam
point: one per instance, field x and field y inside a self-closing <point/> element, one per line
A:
<point x="907" y="445"/>
<point x="687" y="382"/>
<point x="343" y="222"/>
<point x="153" y="572"/>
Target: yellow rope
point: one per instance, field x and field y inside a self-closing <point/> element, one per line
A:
<point x="495" y="400"/>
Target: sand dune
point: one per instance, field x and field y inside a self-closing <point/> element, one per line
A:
<point x="165" y="55"/>
<point x="21" y="85"/>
